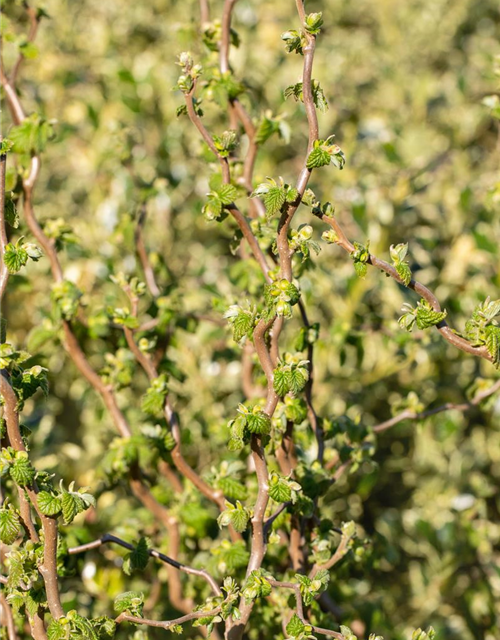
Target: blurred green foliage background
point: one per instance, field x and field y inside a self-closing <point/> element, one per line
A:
<point x="405" y="83"/>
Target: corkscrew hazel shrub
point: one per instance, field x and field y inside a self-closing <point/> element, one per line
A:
<point x="208" y="413"/>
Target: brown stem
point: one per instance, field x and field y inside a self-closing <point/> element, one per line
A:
<point x="313" y="417"/>
<point x="9" y="618"/>
<point x="337" y="556"/>
<point x="143" y="255"/>
<point x="32" y="14"/>
<point x="48" y="569"/>
<point x="204" y="11"/>
<point x="166" y="624"/>
<point x="448" y="406"/>
<point x="226" y="176"/>
<point x="4" y="272"/>
<point x="236" y="109"/>
<point x="225" y="42"/>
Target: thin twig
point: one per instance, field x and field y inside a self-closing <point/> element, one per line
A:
<point x="9" y="618"/>
<point x="448" y="406"/>
<point x="444" y="329"/>
<point x="166" y="624"/>
<point x="4" y="272"/>
<point x="337" y="556"/>
<point x="269" y="522"/>
<point x="108" y="537"/>
<point x="226" y="176"/>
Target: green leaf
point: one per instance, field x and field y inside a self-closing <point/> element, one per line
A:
<point x="296" y="91"/>
<point x="347" y="633"/>
<point x="231" y="556"/>
<point x="5" y="146"/>
<point x="137" y="560"/>
<point x="236" y="515"/>
<point x="259" y="423"/>
<point x="298" y="379"/>
<point x="57" y="631"/>
<point x="104" y="626"/>
<point x="281" y="381"/>
<point x="294" y="41"/>
<point x="130" y="601"/>
<point x="426" y="316"/>
<point x="295" y="627"/>
<point x="274" y="199"/>
<point x="10" y="524"/>
<point x="11" y="215"/>
<point x="319" y="157"/>
<point x="325" y="153"/>
<point x="153" y="401"/>
<point x="227" y="194"/>
<point x="49" y="504"/>
<point x="256" y="585"/>
<point x="242" y="321"/>
<point x="31" y="135"/>
<point x="28" y="383"/>
<point x="295" y="410"/>
<point x="21" y="470"/>
<point x="419" y="634"/>
<point x="81" y="627"/>
<point x="232" y="488"/>
<point x="493" y="342"/>
<point x="71" y="505"/>
<point x="239" y="520"/>
<point x="313" y="23"/>
<point x="28" y="50"/>
<point x="67" y="296"/>
<point x="279" y="489"/>
<point x="225" y="143"/>
<point x="361" y="269"/>
<point x="15" y="257"/>
<point x="404" y="272"/>
<point x="123" y="317"/>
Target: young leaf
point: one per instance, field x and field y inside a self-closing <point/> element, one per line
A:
<point x="49" y="504"/>
<point x="71" y="505"/>
<point x="295" y="627"/>
<point x="313" y="23"/>
<point x="21" y="470"/>
<point x="232" y="488"/>
<point x="493" y="343"/>
<point x="319" y="157"/>
<point x="426" y="316"/>
<point x="274" y="200"/>
<point x="57" y="631"/>
<point x="137" y="559"/>
<point x="259" y="423"/>
<point x="10" y="525"/>
<point x="227" y="194"/>
<point x="347" y="633"/>
<point x="279" y="489"/>
<point x="130" y="601"/>
<point x="154" y="399"/>
<point x="281" y="381"/>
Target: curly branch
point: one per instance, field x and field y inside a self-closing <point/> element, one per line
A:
<point x="108" y="537"/>
<point x="444" y="329"/>
<point x="166" y="624"/>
